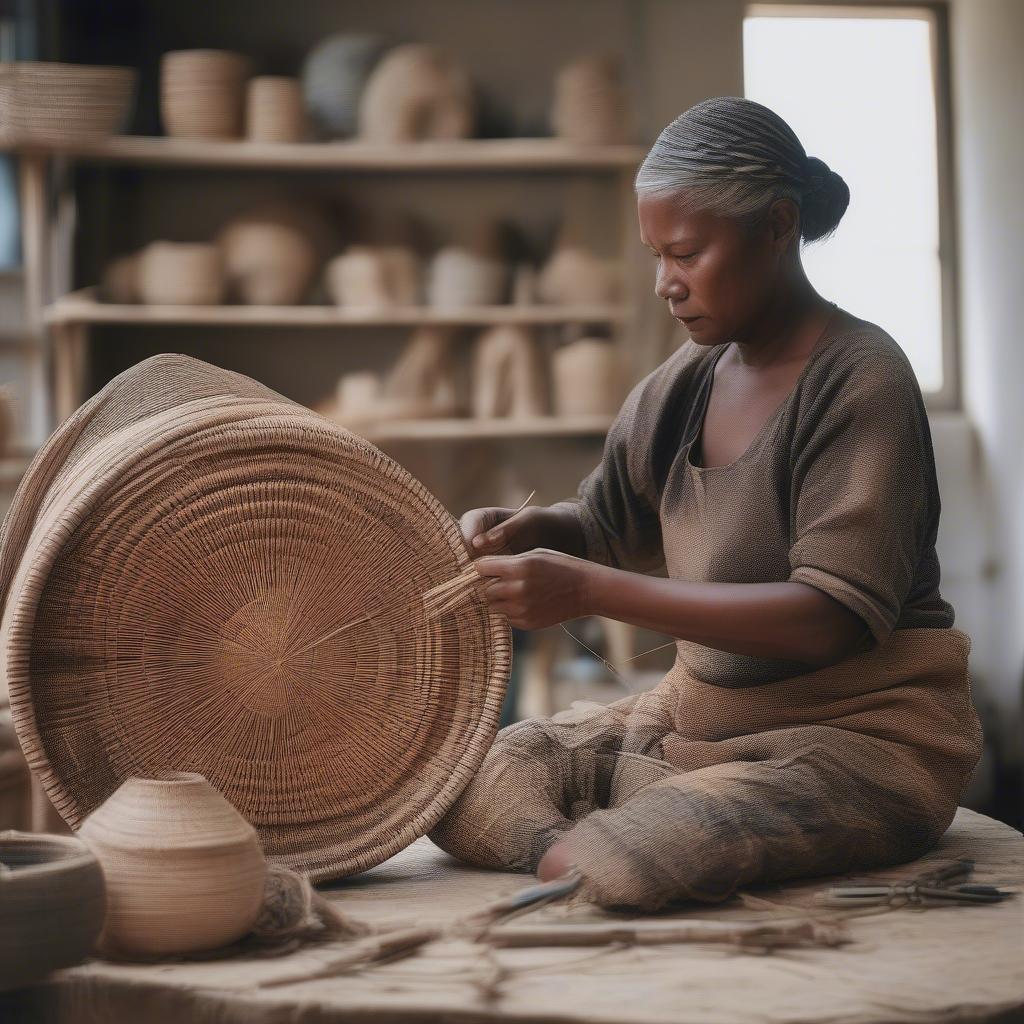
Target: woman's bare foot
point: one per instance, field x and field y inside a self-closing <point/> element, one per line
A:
<point x="555" y="863"/>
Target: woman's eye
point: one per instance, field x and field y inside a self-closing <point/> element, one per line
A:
<point x="688" y="256"/>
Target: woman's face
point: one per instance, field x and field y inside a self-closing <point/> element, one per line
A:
<point x="713" y="268"/>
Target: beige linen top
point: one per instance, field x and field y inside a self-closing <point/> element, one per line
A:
<point x="837" y="490"/>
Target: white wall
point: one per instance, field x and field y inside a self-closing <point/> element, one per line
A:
<point x="988" y="100"/>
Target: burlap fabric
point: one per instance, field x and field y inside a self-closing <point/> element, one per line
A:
<point x="737" y="769"/>
<point x="690" y="790"/>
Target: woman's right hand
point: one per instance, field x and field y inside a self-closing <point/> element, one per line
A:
<point x="502" y="531"/>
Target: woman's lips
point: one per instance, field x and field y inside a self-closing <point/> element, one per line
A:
<point x="689" y="319"/>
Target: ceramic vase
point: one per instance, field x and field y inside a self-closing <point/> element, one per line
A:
<point x="584" y="377"/>
<point x="184" y="870"/>
<point x="333" y="76"/>
<point x="51" y="905"/>
<point x="416" y="92"/>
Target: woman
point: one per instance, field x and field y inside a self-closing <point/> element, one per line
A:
<point x="818" y="717"/>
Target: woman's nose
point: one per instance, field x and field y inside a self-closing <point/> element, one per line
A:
<point x="668" y="285"/>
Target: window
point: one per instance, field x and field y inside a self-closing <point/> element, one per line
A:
<point x="858" y="85"/>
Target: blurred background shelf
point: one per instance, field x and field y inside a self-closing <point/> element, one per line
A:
<point x="82" y="307"/>
<point x="468" y="155"/>
<point x="469" y="429"/>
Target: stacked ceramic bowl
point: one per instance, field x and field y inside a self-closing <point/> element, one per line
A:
<point x="275" y="110"/>
<point x="202" y="93"/>
<point x="42" y="101"/>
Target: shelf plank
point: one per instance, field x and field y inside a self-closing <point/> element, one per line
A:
<point x="81" y="307"/>
<point x="525" y="154"/>
<point x="470" y="429"/>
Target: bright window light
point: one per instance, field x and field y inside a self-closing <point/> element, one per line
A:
<point x="859" y="93"/>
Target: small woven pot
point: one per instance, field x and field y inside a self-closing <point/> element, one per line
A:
<point x="51" y="905"/>
<point x="274" y="110"/>
<point x="42" y="101"/>
<point x="184" y="869"/>
<point x="202" y="93"/>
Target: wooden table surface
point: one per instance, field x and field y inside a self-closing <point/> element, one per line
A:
<point x="960" y="963"/>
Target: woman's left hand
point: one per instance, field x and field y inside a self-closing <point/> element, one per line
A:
<point x="537" y="588"/>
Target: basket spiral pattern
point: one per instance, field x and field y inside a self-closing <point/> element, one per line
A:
<point x="200" y="575"/>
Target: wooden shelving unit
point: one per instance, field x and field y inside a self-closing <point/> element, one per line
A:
<point x="67" y="319"/>
<point x="82" y="307"/>
<point x="468" y="155"/>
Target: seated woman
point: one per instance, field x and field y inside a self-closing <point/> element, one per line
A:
<point x="818" y="716"/>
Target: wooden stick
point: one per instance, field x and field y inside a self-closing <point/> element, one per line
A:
<point x="762" y="935"/>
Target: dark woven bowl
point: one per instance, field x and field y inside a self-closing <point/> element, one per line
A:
<point x="52" y="903"/>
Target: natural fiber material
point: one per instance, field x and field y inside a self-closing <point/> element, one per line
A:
<point x="201" y="575"/>
<point x="691" y="790"/>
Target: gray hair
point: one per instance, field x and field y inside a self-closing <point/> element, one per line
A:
<point x="735" y="157"/>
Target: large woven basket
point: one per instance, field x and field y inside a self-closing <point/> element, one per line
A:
<point x="200" y="575"/>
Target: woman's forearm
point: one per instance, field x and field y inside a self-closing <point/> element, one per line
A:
<point x="787" y="620"/>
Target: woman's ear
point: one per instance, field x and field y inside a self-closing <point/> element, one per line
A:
<point x="783" y="224"/>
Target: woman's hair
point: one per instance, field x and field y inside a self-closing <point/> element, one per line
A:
<point x="735" y="157"/>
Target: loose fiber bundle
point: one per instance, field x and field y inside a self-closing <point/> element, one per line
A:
<point x="200" y="575"/>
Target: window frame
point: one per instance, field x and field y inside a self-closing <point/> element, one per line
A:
<point x="949" y="397"/>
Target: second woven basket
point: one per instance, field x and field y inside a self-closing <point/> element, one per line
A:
<point x="200" y="575"/>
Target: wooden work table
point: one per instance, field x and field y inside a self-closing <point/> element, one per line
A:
<point x="961" y="963"/>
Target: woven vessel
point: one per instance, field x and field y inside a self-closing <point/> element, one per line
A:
<point x="200" y="575"/>
<point x="51" y="905"/>
<point x="47" y="101"/>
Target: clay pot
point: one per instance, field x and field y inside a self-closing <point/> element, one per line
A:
<point x="584" y="377"/>
<point x="202" y="93"/>
<point x="274" y="110"/>
<point x="271" y="255"/>
<point x="51" y="905"/>
<point x="120" y="279"/>
<point x="575" y="276"/>
<point x="590" y="106"/>
<point x="416" y="92"/>
<point x="333" y="76"/>
<point x="508" y="376"/>
<point x="181" y="274"/>
<point x="460" y="277"/>
<point x="184" y="869"/>
<point x="374" y="277"/>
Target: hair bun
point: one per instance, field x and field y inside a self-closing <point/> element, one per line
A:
<point x="825" y="199"/>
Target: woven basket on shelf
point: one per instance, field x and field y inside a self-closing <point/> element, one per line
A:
<point x="47" y="101"/>
<point x="199" y="575"/>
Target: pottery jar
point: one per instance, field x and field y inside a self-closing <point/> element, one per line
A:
<point x="184" y="870"/>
